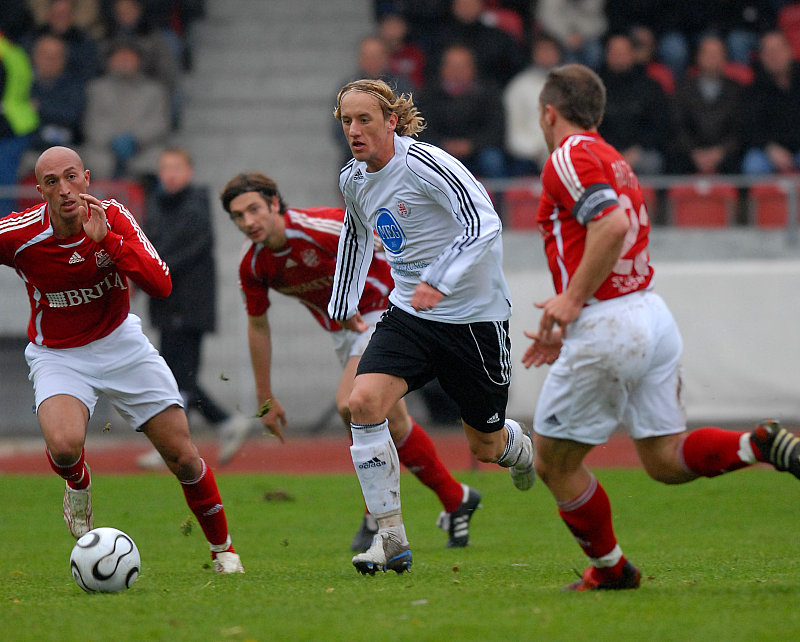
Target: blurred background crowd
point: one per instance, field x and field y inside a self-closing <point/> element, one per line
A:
<point x="694" y="86"/>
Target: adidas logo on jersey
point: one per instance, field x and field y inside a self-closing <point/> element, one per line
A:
<point x="358" y="176"/>
<point x="75" y="258"/>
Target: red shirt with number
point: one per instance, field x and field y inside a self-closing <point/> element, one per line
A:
<point x="582" y="181"/>
<point x="78" y="288"/>
<point x="305" y="266"/>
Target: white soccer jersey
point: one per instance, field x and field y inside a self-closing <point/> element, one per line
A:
<point x="437" y="225"/>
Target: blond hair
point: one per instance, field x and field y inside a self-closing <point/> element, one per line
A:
<point x="409" y="120"/>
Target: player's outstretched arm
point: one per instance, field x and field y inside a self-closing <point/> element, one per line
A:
<point x="260" y="341"/>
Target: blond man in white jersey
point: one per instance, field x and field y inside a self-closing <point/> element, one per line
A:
<point x="448" y="313"/>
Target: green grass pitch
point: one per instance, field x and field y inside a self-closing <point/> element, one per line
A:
<point x="719" y="558"/>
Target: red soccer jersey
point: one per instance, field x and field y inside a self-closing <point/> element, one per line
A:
<point x="583" y="180"/>
<point x="304" y="268"/>
<point x="78" y="288"/>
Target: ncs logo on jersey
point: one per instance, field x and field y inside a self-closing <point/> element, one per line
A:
<point x="402" y="209"/>
<point x="392" y="235"/>
<point x="310" y="258"/>
<point x="102" y="257"/>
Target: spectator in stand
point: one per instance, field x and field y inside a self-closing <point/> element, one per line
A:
<point x="373" y="63"/>
<point x="18" y="119"/>
<point x="465" y="115"/>
<point x="85" y="14"/>
<point x="175" y="206"/>
<point x="773" y="110"/>
<point x="578" y="25"/>
<point x="424" y="18"/>
<point x="127" y="117"/>
<point x="707" y="116"/>
<point x="636" y="119"/>
<point x="160" y="57"/>
<point x="83" y="59"/>
<point x="498" y="55"/>
<point x="644" y="50"/>
<point x="524" y="138"/>
<point x="58" y="95"/>
<point x="406" y="59"/>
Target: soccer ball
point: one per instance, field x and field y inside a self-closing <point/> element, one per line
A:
<point x="105" y="560"/>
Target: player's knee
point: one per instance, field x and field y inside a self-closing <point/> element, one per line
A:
<point x="485" y="448"/>
<point x="364" y="406"/>
<point x="64" y="450"/>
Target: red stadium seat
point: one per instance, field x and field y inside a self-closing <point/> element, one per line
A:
<point x="789" y="24"/>
<point x="768" y="205"/>
<point x="650" y="199"/>
<point x="702" y="204"/>
<point x="521" y="205"/>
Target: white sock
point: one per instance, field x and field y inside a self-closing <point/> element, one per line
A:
<point x="514" y="447"/>
<point x="378" y="469"/>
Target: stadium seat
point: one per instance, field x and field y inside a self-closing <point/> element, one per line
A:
<point x="521" y="205"/>
<point x="702" y="204"/>
<point x="507" y="20"/>
<point x="789" y="24"/>
<point x="768" y="205"/>
<point x="650" y="199"/>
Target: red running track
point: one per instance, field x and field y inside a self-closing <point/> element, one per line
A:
<point x="308" y="455"/>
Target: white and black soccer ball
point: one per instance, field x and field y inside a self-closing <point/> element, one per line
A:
<point x="105" y="560"/>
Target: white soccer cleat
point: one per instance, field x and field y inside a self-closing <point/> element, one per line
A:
<point x="78" y="510"/>
<point x="227" y="562"/>
<point x="387" y="553"/>
<point x="151" y="460"/>
<point x="523" y="474"/>
<point x="232" y="433"/>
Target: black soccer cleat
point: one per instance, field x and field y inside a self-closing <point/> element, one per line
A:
<point x="777" y="446"/>
<point x="456" y="523"/>
<point x="631" y="578"/>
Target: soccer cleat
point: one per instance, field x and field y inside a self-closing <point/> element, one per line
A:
<point x="232" y="433"/>
<point x="78" y="510"/>
<point x="362" y="540"/>
<point x="777" y="446"/>
<point x="457" y="523"/>
<point x="227" y="562"/>
<point x="151" y="460"/>
<point x="523" y="474"/>
<point x="630" y="579"/>
<point x="385" y="554"/>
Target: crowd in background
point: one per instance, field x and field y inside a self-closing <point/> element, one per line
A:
<point x="101" y="76"/>
<point x="694" y="86"/>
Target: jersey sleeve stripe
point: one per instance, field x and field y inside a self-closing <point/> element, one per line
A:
<point x="349" y="256"/>
<point x="562" y="163"/>
<point x="466" y="206"/>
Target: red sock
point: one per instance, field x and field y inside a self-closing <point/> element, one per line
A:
<point x="588" y="518"/>
<point x="418" y="454"/>
<point x="712" y="451"/>
<point x="76" y="474"/>
<point x="202" y="496"/>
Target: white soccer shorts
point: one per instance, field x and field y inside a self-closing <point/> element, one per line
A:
<point x="349" y="343"/>
<point x="124" y="366"/>
<point x="619" y="368"/>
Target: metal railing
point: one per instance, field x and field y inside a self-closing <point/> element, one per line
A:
<point x="663" y="192"/>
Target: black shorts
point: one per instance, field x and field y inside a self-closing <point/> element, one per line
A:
<point x="472" y="361"/>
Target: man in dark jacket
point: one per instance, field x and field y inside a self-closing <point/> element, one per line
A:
<point x="773" y="110"/>
<point x="636" y="115"/>
<point x="179" y="225"/>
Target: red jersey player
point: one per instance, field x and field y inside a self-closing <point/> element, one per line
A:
<point x="75" y="255"/>
<point x="294" y="252"/>
<point x="619" y="345"/>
